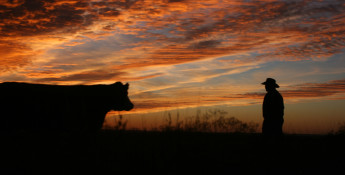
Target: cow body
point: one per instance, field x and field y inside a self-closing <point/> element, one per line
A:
<point x="80" y="108"/>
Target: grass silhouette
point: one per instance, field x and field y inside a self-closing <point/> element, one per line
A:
<point x="210" y="121"/>
<point x="214" y="120"/>
<point x="211" y="143"/>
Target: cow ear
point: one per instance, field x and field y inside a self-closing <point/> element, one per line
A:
<point x="127" y="85"/>
<point x="117" y="83"/>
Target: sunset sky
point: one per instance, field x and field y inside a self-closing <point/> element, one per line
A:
<point x="186" y="55"/>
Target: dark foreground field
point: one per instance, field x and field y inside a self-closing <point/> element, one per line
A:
<point x="119" y="152"/>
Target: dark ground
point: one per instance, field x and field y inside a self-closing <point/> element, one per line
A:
<point x="119" y="152"/>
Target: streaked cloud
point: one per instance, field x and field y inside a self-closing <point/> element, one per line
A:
<point x="316" y="89"/>
<point x="14" y="55"/>
<point x="208" y="96"/>
<point x="308" y="90"/>
<point x="189" y="53"/>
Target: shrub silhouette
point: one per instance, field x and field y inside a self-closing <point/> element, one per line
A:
<point x="120" y="124"/>
<point x="340" y="130"/>
<point x="210" y="121"/>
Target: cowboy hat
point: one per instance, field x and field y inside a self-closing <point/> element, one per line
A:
<point x="271" y="82"/>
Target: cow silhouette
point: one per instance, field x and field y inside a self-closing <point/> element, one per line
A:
<point x="76" y="108"/>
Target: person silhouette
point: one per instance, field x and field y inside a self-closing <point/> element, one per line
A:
<point x="272" y="110"/>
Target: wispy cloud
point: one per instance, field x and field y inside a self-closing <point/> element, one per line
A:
<point x="14" y="55"/>
<point x="308" y="90"/>
<point x="166" y="47"/>
<point x="275" y="30"/>
<point x="316" y="89"/>
<point x="209" y="96"/>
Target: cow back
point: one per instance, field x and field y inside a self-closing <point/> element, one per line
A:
<point x="38" y="107"/>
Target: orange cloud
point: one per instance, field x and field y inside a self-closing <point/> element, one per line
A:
<point x="88" y="76"/>
<point x="33" y="17"/>
<point x="173" y="98"/>
<point x="278" y="31"/>
<point x="104" y="40"/>
<point x="308" y="90"/>
<point x="14" y="55"/>
<point x="316" y="89"/>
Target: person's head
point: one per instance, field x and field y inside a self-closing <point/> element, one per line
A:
<point x="270" y="84"/>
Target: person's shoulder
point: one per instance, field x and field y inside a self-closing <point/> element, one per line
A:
<point x="276" y="91"/>
<point x="277" y="94"/>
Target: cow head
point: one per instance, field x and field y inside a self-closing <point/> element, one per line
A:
<point x="122" y="100"/>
